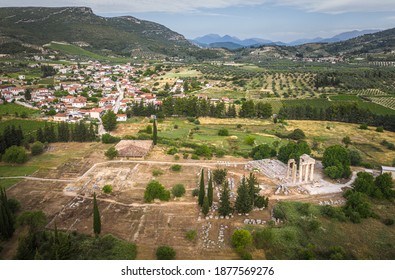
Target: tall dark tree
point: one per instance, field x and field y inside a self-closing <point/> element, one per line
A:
<point x="28" y="94"/>
<point x="225" y="208"/>
<point x="210" y="191"/>
<point x="109" y="121"/>
<point x="155" y="133"/>
<point x="253" y="190"/>
<point x="243" y="202"/>
<point x="205" y="207"/>
<point x="96" y="217"/>
<point x="6" y="216"/>
<point x="201" y="189"/>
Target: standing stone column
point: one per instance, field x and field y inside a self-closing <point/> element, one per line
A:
<point x="300" y="172"/>
<point x="306" y="173"/>
<point x="312" y="172"/>
<point x="294" y="172"/>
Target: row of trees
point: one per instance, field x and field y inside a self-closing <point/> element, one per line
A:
<point x="194" y="107"/>
<point x="247" y="194"/>
<point x="350" y="113"/>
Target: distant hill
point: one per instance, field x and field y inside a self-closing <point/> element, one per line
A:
<point x="81" y="27"/>
<point x="379" y="42"/>
<point x="211" y="40"/>
<point x="215" y="40"/>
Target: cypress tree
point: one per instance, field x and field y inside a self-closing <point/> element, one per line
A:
<point x="253" y="191"/>
<point x="201" y="189"/>
<point x="96" y="217"/>
<point x="6" y="217"/>
<point x="155" y="133"/>
<point x="243" y="201"/>
<point x="210" y="192"/>
<point x="206" y="207"/>
<point x="224" y="204"/>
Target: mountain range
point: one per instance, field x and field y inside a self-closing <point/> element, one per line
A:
<point x="231" y="42"/>
<point x="124" y="35"/>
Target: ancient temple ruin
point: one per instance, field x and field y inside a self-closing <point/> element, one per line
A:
<point x="306" y="169"/>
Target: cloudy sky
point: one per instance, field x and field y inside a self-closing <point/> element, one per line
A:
<point x="283" y="20"/>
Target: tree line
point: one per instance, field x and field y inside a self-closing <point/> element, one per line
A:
<point x="50" y="133"/>
<point x="195" y="107"/>
<point x="349" y="113"/>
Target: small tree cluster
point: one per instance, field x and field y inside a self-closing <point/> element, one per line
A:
<point x="219" y="176"/>
<point x="178" y="190"/>
<point x="262" y="151"/>
<point x="336" y="162"/>
<point x="165" y="253"/>
<point x="15" y="154"/>
<point x="111" y="153"/>
<point x="156" y="190"/>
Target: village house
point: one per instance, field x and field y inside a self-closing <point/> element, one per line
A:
<point x="122" y="117"/>
<point x="79" y="102"/>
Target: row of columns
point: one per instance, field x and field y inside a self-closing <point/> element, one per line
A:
<point x="306" y="171"/>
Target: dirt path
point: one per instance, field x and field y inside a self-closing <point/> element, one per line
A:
<point x="201" y="164"/>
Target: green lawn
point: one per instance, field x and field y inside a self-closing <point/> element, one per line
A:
<point x="17" y="170"/>
<point x="28" y="126"/>
<point x="6" y="183"/>
<point x="11" y="109"/>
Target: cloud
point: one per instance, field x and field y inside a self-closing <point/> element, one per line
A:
<point x="182" y="6"/>
<point x="339" y="6"/>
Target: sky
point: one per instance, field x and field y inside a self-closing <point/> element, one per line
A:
<point x="276" y="20"/>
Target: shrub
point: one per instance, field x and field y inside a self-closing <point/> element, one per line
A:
<point x="107" y="189"/>
<point x="165" y="253"/>
<point x="250" y="140"/>
<point x="241" y="239"/>
<point x="37" y="148"/>
<point x="355" y="158"/>
<point x="262" y="151"/>
<point x="15" y="154"/>
<point x="297" y="134"/>
<point x="204" y="151"/>
<point x="175" y="167"/>
<point x="176" y="157"/>
<point x="109" y="139"/>
<point x="195" y="192"/>
<point x="197" y="122"/>
<point x="239" y="126"/>
<point x="172" y="151"/>
<point x="195" y="157"/>
<point x="185" y="155"/>
<point x="219" y="175"/>
<point x="363" y="126"/>
<point x="156" y="190"/>
<point x="157" y="172"/>
<point x="380" y="129"/>
<point x="223" y="132"/>
<point x="191" y="119"/>
<point x="111" y="153"/>
<point x="220" y="153"/>
<point x="14" y="205"/>
<point x="191" y="235"/>
<point x="388" y="222"/>
<point x="178" y="190"/>
<point x="175" y="126"/>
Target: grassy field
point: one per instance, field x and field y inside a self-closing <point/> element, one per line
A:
<point x="75" y="50"/>
<point x="28" y="126"/>
<point x="322" y="103"/>
<point x="297" y="239"/>
<point x="319" y="133"/>
<point x="11" y="109"/>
